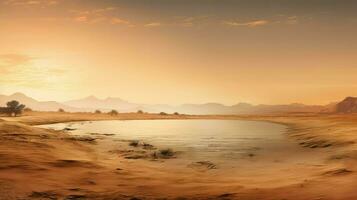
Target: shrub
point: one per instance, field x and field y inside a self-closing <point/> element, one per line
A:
<point x="113" y="112"/>
<point x="4" y="110"/>
<point x="134" y="143"/>
<point x="162" y="113"/>
<point x="140" y="112"/>
<point x="28" y="110"/>
<point x="167" y="152"/>
<point x="61" y="110"/>
<point x="97" y="112"/>
<point x="148" y="146"/>
<point x="163" y="153"/>
<point x="176" y="113"/>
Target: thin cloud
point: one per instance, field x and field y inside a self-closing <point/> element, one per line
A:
<point x="104" y="10"/>
<point x="93" y="16"/>
<point x="11" y="62"/>
<point x="190" y="21"/>
<point x="81" y="19"/>
<point x="7" y="60"/>
<point x="31" y="2"/>
<point x="289" y="20"/>
<point x="247" y="24"/>
<point x="186" y="21"/>
<point x="20" y="70"/>
<point x="116" y="20"/>
<point x="153" y="24"/>
<point x="292" y="20"/>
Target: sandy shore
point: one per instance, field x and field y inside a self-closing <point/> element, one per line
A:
<point x="37" y="163"/>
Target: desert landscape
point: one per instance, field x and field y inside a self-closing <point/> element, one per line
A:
<point x="38" y="163"/>
<point x="178" y="100"/>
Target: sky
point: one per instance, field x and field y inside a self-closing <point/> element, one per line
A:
<point x="180" y="51"/>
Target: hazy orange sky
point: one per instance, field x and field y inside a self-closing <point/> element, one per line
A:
<point x="180" y="51"/>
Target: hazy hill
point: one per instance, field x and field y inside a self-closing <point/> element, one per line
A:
<point x="34" y="104"/>
<point x="244" y="108"/>
<point x="289" y="108"/>
<point x="91" y="103"/>
<point x="348" y="105"/>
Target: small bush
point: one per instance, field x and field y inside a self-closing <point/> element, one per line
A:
<point x="134" y="143"/>
<point x="163" y="153"/>
<point x="166" y="152"/>
<point x="176" y="113"/>
<point x="98" y="112"/>
<point x="61" y="110"/>
<point x="140" y="112"/>
<point x="113" y="112"/>
<point x="163" y="113"/>
<point x="28" y="110"/>
<point x="148" y="146"/>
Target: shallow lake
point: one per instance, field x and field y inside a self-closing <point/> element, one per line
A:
<point x="219" y="141"/>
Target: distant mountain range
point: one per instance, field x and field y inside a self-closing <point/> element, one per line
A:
<point x="91" y="103"/>
<point x="34" y="104"/>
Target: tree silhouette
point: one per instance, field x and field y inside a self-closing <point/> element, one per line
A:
<point x="14" y="108"/>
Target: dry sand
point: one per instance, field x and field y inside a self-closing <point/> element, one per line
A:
<point x="37" y="163"/>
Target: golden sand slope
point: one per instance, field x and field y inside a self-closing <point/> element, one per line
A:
<point x="44" y="164"/>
